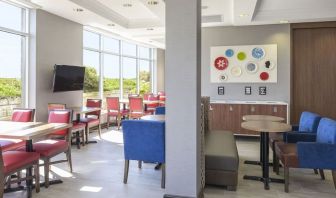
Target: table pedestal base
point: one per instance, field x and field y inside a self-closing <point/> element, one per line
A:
<point x="20" y="188"/>
<point x="266" y="181"/>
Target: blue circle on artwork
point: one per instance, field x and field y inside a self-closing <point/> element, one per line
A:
<point x="258" y="53"/>
<point x="229" y="52"/>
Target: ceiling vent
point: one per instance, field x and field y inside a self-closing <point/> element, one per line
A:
<point x="212" y="19"/>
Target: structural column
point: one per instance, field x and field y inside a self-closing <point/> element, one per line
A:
<point x="183" y="89"/>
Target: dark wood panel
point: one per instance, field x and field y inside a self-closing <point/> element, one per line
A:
<point x="313" y="72"/>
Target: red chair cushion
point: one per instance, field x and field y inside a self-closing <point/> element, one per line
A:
<point x="11" y="144"/>
<point x="15" y="160"/>
<point x="48" y="148"/>
<point x="78" y="126"/>
<point x="22" y="115"/>
<point x="90" y="121"/>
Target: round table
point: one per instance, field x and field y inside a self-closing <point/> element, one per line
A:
<point x="265" y="127"/>
<point x="153" y="117"/>
<point x="263" y="118"/>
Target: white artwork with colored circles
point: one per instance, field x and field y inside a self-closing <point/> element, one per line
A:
<point x="244" y="64"/>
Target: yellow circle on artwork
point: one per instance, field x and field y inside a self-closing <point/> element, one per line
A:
<point x="236" y="71"/>
<point x="241" y="56"/>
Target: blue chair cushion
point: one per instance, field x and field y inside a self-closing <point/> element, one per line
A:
<point x="309" y="122"/>
<point x="144" y="140"/>
<point x="326" y="132"/>
<point x="160" y="111"/>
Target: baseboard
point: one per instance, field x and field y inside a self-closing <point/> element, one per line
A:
<point x="175" y="196"/>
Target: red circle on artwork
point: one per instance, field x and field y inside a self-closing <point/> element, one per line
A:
<point x="264" y="76"/>
<point x="221" y="63"/>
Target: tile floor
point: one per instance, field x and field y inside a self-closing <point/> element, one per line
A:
<point x="98" y="173"/>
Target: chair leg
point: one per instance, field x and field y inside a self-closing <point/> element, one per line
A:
<point x="83" y="137"/>
<point x="37" y="177"/>
<point x="126" y="168"/>
<point x="2" y="183"/>
<point x="333" y="172"/>
<point x="322" y="174"/>
<point x="46" y="172"/>
<point x="108" y="122"/>
<point x="78" y="139"/>
<point x="87" y="134"/>
<point x="139" y="164"/>
<point x="163" y="177"/>
<point x="315" y="171"/>
<point x="286" y="175"/>
<point x="118" y="121"/>
<point x="99" y="131"/>
<point x="19" y="176"/>
<point x="68" y="156"/>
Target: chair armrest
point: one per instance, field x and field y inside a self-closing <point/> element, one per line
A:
<point x="294" y="137"/>
<point x="316" y="155"/>
<point x="295" y="127"/>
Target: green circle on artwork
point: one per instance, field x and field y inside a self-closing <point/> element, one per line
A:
<point x="241" y="56"/>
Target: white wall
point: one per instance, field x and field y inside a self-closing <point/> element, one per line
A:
<point x="160" y="69"/>
<point x="248" y="35"/>
<point x="55" y="40"/>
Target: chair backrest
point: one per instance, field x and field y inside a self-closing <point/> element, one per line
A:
<point x="23" y="115"/>
<point x="94" y="103"/>
<point x="60" y="116"/>
<point x="309" y="122"/>
<point x="55" y="106"/>
<point x="161" y="93"/>
<point x="112" y="103"/>
<point x="144" y="140"/>
<point x="147" y="95"/>
<point x="153" y="98"/>
<point x="160" y="111"/>
<point x="135" y="104"/>
<point x="326" y="131"/>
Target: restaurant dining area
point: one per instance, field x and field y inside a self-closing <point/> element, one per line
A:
<point x="167" y="98"/>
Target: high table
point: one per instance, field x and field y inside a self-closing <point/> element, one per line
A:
<point x="82" y="110"/>
<point x="261" y="118"/>
<point x="29" y="131"/>
<point x="265" y="127"/>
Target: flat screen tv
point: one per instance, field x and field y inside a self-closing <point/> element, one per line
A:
<point x="68" y="78"/>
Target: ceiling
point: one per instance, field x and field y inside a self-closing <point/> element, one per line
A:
<point x="144" y="20"/>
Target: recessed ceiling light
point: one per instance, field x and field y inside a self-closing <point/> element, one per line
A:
<point x="127" y="5"/>
<point x="111" y="24"/>
<point x="243" y="15"/>
<point x="152" y="2"/>
<point x="205" y="7"/>
<point x="150" y="29"/>
<point x="78" y="10"/>
<point x="284" y="21"/>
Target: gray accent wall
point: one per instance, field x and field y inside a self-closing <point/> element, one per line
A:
<point x="54" y="40"/>
<point x="248" y="35"/>
<point x="160" y="69"/>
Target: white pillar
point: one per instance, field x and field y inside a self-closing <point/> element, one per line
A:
<point x="183" y="88"/>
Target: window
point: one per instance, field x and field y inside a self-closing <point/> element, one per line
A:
<point x="13" y="44"/>
<point x="125" y="67"/>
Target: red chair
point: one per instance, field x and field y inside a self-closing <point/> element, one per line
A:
<point x="136" y="108"/>
<point x="92" y="119"/>
<point x="12" y="162"/>
<point x="78" y="129"/>
<point x="147" y="95"/>
<point x="162" y="98"/>
<point x="19" y="115"/>
<point x="152" y="106"/>
<point x="113" y="110"/>
<point x="52" y="147"/>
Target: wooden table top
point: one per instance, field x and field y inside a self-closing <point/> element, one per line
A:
<point x="263" y="118"/>
<point x="8" y="126"/>
<point x="34" y="130"/>
<point x="266" y="126"/>
<point x="154" y="117"/>
<point x="79" y="110"/>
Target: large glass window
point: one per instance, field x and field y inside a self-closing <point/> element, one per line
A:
<point x="13" y="39"/>
<point x="125" y="67"/>
<point x="91" y="82"/>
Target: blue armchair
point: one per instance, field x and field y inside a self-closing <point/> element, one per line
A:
<point x="144" y="141"/>
<point x="314" y="155"/>
<point x="160" y="111"/>
<point x="306" y="131"/>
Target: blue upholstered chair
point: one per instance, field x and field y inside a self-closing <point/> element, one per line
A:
<point x="306" y="130"/>
<point x="320" y="154"/>
<point x="160" y="111"/>
<point x="144" y="141"/>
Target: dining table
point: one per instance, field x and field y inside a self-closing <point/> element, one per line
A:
<point x="29" y="131"/>
<point x="261" y="118"/>
<point x="78" y="111"/>
<point x="264" y="128"/>
<point x="154" y="117"/>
